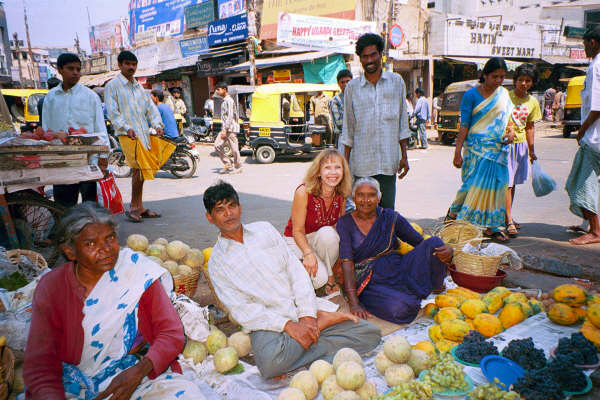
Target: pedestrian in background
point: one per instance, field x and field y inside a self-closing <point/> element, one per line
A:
<point x="548" y="102"/>
<point x="557" y="105"/>
<point x="319" y="110"/>
<point x="422" y="114"/>
<point x="437" y="107"/>
<point x="229" y="131"/>
<point x="582" y="183"/>
<point x="167" y="116"/>
<point x="521" y="152"/>
<point x="486" y="129"/>
<point x="336" y="107"/>
<point x="375" y="128"/>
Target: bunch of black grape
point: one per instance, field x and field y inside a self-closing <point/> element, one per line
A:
<point x="474" y="347"/>
<point x="538" y="385"/>
<point x="578" y="348"/>
<point x="523" y="352"/>
<point x="569" y="377"/>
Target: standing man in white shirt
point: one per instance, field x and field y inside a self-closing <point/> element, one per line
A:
<point x="269" y="293"/>
<point x="582" y="183"/>
<point x="71" y="104"/>
<point x="228" y="135"/>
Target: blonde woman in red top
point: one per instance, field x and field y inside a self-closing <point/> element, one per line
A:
<point x="318" y="203"/>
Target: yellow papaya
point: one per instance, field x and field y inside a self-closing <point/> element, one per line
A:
<point x="454" y="329"/>
<point x="593" y="314"/>
<point x="426" y="346"/>
<point x="569" y="294"/>
<point x="516" y="297"/>
<point x="592" y="333"/>
<point x="470" y="322"/>
<point x="467" y="293"/>
<point x="493" y="301"/>
<point x="536" y="306"/>
<point x="435" y="333"/>
<point x="561" y="314"/>
<point x="472" y="307"/>
<point x="447" y="300"/>
<point x="487" y="324"/>
<point x="501" y="290"/>
<point x="593" y="299"/>
<point x="417" y="228"/>
<point x="581" y="313"/>
<point x="526" y="309"/>
<point x="511" y="314"/>
<point x="445" y="313"/>
<point x="445" y="345"/>
<point x="430" y="310"/>
<point x="404" y="248"/>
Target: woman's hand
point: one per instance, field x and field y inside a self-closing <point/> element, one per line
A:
<point x="458" y="160"/>
<point x="509" y="136"/>
<point x="444" y="254"/>
<point x="311" y="264"/>
<point x="124" y="384"/>
<point x="532" y="157"/>
<point x="359" y="311"/>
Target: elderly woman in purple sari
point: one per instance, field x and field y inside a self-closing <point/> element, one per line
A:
<point x="377" y="279"/>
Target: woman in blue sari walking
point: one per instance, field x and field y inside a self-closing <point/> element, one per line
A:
<point x="486" y="129"/>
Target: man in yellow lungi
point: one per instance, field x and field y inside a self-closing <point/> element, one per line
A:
<point x="132" y="113"/>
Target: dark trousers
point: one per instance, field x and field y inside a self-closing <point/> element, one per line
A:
<point x="387" y="186"/>
<point x="68" y="195"/>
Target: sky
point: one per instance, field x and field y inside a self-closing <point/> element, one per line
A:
<point x="56" y="22"/>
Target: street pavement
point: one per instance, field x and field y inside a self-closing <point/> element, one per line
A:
<point x="423" y="196"/>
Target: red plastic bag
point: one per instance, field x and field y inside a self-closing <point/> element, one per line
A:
<point x="109" y="195"/>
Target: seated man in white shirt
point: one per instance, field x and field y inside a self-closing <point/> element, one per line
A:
<point x="269" y="293"/>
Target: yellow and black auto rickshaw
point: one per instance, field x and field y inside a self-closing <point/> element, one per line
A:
<point x="572" y="115"/>
<point x="22" y="104"/>
<point x="280" y="122"/>
<point x="448" y="122"/>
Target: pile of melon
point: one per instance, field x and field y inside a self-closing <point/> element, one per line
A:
<point x="399" y="362"/>
<point x="344" y="380"/>
<point x="226" y="351"/>
<point x="460" y="310"/>
<point x="177" y="257"/>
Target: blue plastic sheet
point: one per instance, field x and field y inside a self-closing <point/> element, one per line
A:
<point x="323" y="70"/>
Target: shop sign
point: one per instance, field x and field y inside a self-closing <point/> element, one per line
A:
<point x="574" y="32"/>
<point x="229" y="8"/>
<point x="200" y="14"/>
<point x="99" y="64"/>
<point x="396" y="36"/>
<point x="147" y="56"/>
<point x="282" y="75"/>
<point x="477" y="38"/>
<point x="168" y="50"/>
<point x="193" y="46"/>
<point x="228" y="30"/>
<point x="320" y="32"/>
<point x="577" y="53"/>
<point x="145" y="38"/>
<point x="216" y="66"/>
<point x="164" y="17"/>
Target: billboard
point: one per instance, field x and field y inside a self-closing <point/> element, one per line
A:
<point x="193" y="46"/>
<point x="165" y="17"/>
<point x="228" y="30"/>
<point x="200" y="15"/>
<point x="321" y="8"/>
<point x="109" y="36"/>
<point x="229" y="8"/>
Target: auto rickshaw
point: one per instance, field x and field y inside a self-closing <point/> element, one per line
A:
<point x="448" y="122"/>
<point x="22" y="104"/>
<point x="280" y="122"/>
<point x="572" y="116"/>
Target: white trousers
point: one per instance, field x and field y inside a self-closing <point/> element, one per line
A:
<point x="325" y="243"/>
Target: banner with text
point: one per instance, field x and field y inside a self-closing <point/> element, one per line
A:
<point x="109" y="36"/>
<point x="228" y="30"/>
<point x="320" y="33"/>
<point x="200" y="15"/>
<point x="193" y="46"/>
<point x="229" y="8"/>
<point x="165" y="17"/>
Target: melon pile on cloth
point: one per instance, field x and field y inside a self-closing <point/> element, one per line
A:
<point x="343" y="380"/>
<point x="399" y="363"/>
<point x="225" y="352"/>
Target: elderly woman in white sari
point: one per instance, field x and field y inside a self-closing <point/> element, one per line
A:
<point x="88" y="312"/>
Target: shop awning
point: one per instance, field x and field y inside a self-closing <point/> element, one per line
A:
<point x="564" y="60"/>
<point x="480" y="61"/>
<point x="98" y="79"/>
<point x="284" y="60"/>
<point x="222" y="51"/>
<point x="178" y="63"/>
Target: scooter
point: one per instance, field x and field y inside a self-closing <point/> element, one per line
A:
<point x="201" y="129"/>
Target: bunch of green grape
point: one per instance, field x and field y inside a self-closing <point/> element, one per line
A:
<point x="446" y="375"/>
<point x="492" y="392"/>
<point x="413" y="390"/>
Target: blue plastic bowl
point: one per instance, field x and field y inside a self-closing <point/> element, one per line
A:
<point x="497" y="368"/>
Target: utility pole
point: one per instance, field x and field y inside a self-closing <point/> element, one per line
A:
<point x="18" y="50"/>
<point x="251" y="38"/>
<point x="77" y="46"/>
<point x="36" y="72"/>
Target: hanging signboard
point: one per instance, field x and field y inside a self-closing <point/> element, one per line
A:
<point x="193" y="46"/>
<point x="199" y="15"/>
<point x="577" y="53"/>
<point x="165" y="17"/>
<point x="99" y="64"/>
<point x="319" y="32"/>
<point x="282" y="75"/>
<point x="216" y="66"/>
<point x="228" y="30"/>
<point x="109" y="36"/>
<point x="396" y="36"/>
<point x="229" y="8"/>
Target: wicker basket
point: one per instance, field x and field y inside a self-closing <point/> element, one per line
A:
<point x="475" y="264"/>
<point x="457" y="233"/>
<point x="187" y="284"/>
<point x="36" y="258"/>
<point x="7" y="372"/>
<point x="219" y="303"/>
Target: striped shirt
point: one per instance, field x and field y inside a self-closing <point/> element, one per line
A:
<point x="375" y="121"/>
<point x="229" y="115"/>
<point x="130" y="107"/>
<point x="260" y="282"/>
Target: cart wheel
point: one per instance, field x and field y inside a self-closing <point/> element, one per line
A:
<point x="265" y="154"/>
<point x="566" y="131"/>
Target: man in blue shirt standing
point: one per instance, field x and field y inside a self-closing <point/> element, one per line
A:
<point x="168" y="118"/>
<point x="423" y="115"/>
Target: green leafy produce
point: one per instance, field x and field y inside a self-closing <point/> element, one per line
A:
<point x="13" y="282"/>
<point x="492" y="392"/>
<point x="413" y="390"/>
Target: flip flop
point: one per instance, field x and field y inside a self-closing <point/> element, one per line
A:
<point x="514" y="232"/>
<point x="150" y="214"/>
<point x="497" y="236"/>
<point x="132" y="217"/>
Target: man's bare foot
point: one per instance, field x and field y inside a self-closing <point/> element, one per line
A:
<point x="326" y="319"/>
<point x="588" y="238"/>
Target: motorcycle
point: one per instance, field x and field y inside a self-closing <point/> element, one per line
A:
<point x="200" y="129"/>
<point x="182" y="163"/>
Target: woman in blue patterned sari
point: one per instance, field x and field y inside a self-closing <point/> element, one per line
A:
<point x="485" y="129"/>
